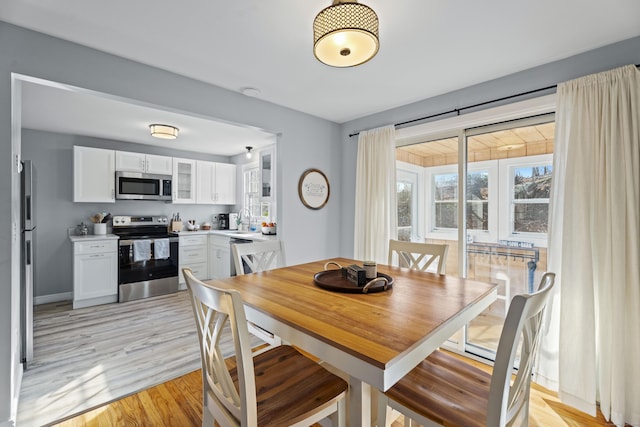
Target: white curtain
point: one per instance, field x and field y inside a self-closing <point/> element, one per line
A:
<point x="594" y="244"/>
<point x="375" y="210"/>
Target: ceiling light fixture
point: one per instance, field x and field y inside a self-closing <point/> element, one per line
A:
<point x="511" y="146"/>
<point x="249" y="153"/>
<point x="163" y="131"/>
<point x="345" y="34"/>
<point x="250" y="91"/>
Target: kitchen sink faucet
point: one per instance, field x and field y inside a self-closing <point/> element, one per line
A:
<point x="242" y="224"/>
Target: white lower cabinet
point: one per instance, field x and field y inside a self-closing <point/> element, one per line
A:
<point x="219" y="257"/>
<point x="193" y="254"/>
<point x="95" y="272"/>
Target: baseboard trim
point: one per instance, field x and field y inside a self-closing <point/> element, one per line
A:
<point x="46" y="299"/>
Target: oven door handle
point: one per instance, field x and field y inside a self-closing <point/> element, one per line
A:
<point x="129" y="242"/>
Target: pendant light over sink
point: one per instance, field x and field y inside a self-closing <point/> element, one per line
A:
<point x="345" y="34"/>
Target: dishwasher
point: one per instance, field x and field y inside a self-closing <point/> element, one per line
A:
<point x="237" y="241"/>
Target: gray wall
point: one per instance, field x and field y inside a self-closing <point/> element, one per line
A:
<point x="608" y="57"/>
<point x="303" y="142"/>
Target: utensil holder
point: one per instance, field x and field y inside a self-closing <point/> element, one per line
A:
<point x="100" y="228"/>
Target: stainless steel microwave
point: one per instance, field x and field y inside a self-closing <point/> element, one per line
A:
<point x="142" y="186"/>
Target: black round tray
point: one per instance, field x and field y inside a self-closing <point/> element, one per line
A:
<point x="333" y="280"/>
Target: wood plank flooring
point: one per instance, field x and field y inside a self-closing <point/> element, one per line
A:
<point x="87" y="357"/>
<point x="179" y="403"/>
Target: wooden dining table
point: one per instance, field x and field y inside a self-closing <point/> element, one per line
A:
<point x="374" y="338"/>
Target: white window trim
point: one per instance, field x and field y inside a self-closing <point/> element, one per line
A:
<point x="506" y="189"/>
<point x="491" y="235"/>
<point x="414" y="174"/>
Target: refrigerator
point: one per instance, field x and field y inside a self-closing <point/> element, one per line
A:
<point x="27" y="262"/>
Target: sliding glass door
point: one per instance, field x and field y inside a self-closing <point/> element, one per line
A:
<point x="494" y="221"/>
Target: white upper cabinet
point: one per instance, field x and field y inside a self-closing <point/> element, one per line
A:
<point x="147" y="163"/>
<point x="216" y="183"/>
<point x="184" y="180"/>
<point x="94" y="175"/>
<point x="225" y="184"/>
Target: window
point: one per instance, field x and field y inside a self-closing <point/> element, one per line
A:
<point x="251" y="189"/>
<point x="446" y="201"/>
<point x="407" y="200"/>
<point x="531" y="187"/>
<point x="525" y="183"/>
<point x="482" y="200"/>
<point x="445" y="189"/>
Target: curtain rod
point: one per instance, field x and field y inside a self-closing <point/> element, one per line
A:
<point x="458" y="110"/>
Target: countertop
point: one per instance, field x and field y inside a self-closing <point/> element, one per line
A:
<point x="247" y="235"/>
<point x="90" y="237"/>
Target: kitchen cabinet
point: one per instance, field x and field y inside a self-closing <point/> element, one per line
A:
<point x="184" y="180"/>
<point x="93" y="175"/>
<point x="95" y="272"/>
<point x="267" y="175"/>
<point x="193" y="254"/>
<point x="219" y="257"/>
<point x="216" y="183"/>
<point x="146" y="163"/>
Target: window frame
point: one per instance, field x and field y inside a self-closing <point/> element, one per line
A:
<point x="415" y="175"/>
<point x="490" y="235"/>
<point x="507" y="168"/>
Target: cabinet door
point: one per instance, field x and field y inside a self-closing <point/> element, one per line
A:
<point x="130" y="162"/>
<point x="94" y="276"/>
<point x="205" y="191"/>
<point x="93" y="175"/>
<point x="161" y="165"/>
<point x="267" y="174"/>
<point x="184" y="180"/>
<point x="225" y="180"/>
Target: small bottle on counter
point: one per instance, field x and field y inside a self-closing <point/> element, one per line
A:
<point x="370" y="269"/>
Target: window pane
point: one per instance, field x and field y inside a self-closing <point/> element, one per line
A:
<point x="478" y="216"/>
<point x="478" y="200"/>
<point x="530" y="217"/>
<point x="532" y="182"/>
<point x="405" y="210"/>
<point x="446" y="215"/>
<point x="446" y="187"/>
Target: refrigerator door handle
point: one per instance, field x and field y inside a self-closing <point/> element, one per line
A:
<point x="27" y="252"/>
<point x="28" y="207"/>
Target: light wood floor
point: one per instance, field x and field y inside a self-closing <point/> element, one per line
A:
<point x="179" y="403"/>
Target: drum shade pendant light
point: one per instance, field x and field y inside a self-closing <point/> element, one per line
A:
<point x="345" y="34"/>
<point x="163" y="131"/>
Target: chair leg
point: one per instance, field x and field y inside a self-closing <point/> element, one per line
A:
<point x="207" y="418"/>
<point x="381" y="419"/>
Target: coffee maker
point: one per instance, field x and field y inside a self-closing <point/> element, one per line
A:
<point x="223" y="221"/>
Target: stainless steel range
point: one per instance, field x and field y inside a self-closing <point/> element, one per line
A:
<point x="147" y="257"/>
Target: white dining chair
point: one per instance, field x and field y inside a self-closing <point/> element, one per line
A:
<point x="444" y="390"/>
<point x="418" y="256"/>
<point x="258" y="256"/>
<point x="279" y="387"/>
<point x="255" y="257"/>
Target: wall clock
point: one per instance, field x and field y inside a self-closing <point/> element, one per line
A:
<point x="313" y="189"/>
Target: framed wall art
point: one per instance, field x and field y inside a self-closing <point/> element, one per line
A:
<point x="313" y="189"/>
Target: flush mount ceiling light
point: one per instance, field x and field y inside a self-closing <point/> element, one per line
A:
<point x="249" y="153"/>
<point x="511" y="146"/>
<point x="345" y="34"/>
<point x="163" y="131"/>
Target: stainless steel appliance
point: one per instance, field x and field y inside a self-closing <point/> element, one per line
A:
<point x="223" y="221"/>
<point x="237" y="241"/>
<point x="27" y="276"/>
<point x="142" y="186"/>
<point x="147" y="257"/>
